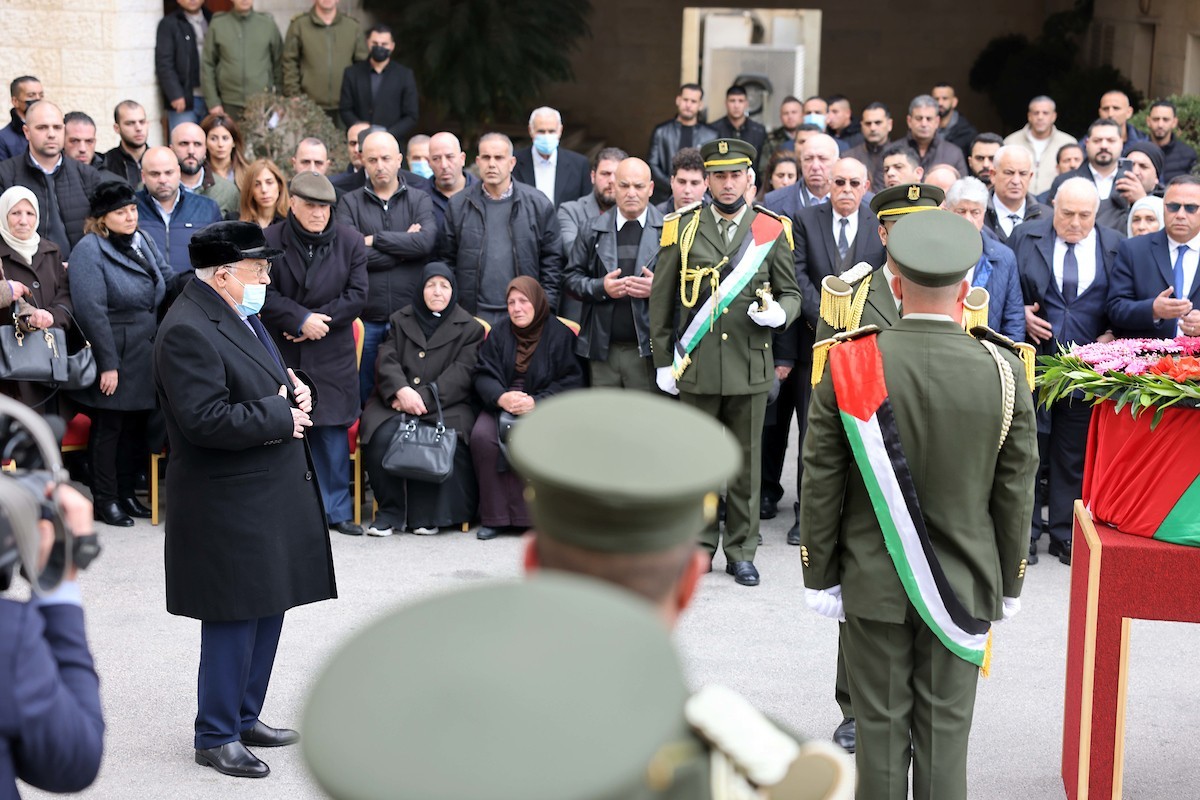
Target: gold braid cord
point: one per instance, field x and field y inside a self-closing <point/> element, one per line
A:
<point x="1009" y="382"/>
<point x="860" y="302"/>
<point x="689" y="296"/>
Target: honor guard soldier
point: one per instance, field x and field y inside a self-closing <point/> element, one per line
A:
<point x="919" y="469"/>
<point x="725" y="281"/>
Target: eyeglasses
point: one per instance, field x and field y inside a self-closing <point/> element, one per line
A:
<point x="1173" y="208"/>
<point x="854" y="182"/>
<point x="261" y="272"/>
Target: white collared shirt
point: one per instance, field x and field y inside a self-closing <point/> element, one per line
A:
<point x="851" y="227"/>
<point x="199" y="183"/>
<point x="1103" y="185"/>
<point x="544" y="170"/>
<point x="1003" y="212"/>
<point x="1190" y="261"/>
<point x="733" y="223"/>
<point x="163" y="212"/>
<point x="641" y="220"/>
<point x="1085" y="257"/>
<point x="935" y="317"/>
<point x="887" y="277"/>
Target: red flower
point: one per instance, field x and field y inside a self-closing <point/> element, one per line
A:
<point x="1186" y="369"/>
<point x="1164" y="366"/>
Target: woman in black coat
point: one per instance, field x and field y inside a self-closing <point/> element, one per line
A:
<point x="118" y="281"/>
<point x="33" y="265"/>
<point x="432" y="342"/>
<point x="526" y="358"/>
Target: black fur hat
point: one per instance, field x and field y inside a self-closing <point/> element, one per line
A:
<point x="225" y="243"/>
<point x="109" y="196"/>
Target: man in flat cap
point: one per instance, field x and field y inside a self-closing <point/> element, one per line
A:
<point x="245" y="529"/>
<point x="318" y="291"/>
<point x="918" y="484"/>
<point x="724" y="283"/>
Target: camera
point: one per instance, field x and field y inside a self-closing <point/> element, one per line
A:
<point x="30" y="452"/>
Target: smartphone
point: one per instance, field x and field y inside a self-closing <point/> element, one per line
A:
<point x="1124" y="168"/>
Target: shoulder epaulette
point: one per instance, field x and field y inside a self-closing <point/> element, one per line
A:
<point x="975" y="308"/>
<point x="985" y="334"/>
<point x="670" y="228"/>
<point x="783" y="219"/>
<point x="856" y="273"/>
<point x="857" y="333"/>
<point x="820" y="357"/>
<point x="764" y="210"/>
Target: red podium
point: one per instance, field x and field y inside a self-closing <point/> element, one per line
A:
<point x="1115" y="578"/>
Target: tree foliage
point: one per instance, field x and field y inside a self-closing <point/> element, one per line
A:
<point x="1187" y="108"/>
<point x="273" y="125"/>
<point x="478" y="61"/>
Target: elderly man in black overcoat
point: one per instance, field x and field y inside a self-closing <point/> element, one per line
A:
<point x="316" y="293"/>
<point x="245" y="526"/>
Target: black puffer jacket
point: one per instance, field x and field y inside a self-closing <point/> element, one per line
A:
<point x="396" y="257"/>
<point x="73" y="184"/>
<point x="536" y="240"/>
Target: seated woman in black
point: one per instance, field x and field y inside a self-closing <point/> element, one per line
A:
<point x="526" y="358"/>
<point x="431" y="342"/>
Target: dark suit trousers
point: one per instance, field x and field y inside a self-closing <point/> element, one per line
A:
<point x="117" y="451"/>
<point x="236" y="659"/>
<point x="1067" y="446"/>
<point x="743" y="415"/>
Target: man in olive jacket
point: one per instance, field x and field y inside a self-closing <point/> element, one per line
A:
<point x="241" y="58"/>
<point x="730" y="366"/>
<point x="319" y="45"/>
<point x="943" y="424"/>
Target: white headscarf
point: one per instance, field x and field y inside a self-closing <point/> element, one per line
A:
<point x="1151" y="202"/>
<point x="26" y="248"/>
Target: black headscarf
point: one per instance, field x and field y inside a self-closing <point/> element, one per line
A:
<point x="430" y="320"/>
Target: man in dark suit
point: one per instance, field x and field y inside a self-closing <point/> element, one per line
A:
<point x="245" y="534"/>
<point x="51" y="724"/>
<point x="1010" y="203"/>
<point x="1102" y="146"/>
<point x="318" y="291"/>
<point x="817" y="157"/>
<point x="560" y="174"/>
<point x="1066" y="266"/>
<point x="379" y="90"/>
<point x="829" y="238"/>
<point x="1154" y="289"/>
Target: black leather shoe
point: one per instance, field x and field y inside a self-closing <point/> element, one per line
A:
<point x="1033" y="556"/>
<point x="844" y="735"/>
<point x="263" y="735"/>
<point x="131" y="506"/>
<point x="767" y="508"/>
<point x="793" y="534"/>
<point x="486" y="533"/>
<point x="111" y="513"/>
<point x="233" y="759"/>
<point x="1060" y="549"/>
<point x="347" y="527"/>
<point x="743" y="572"/>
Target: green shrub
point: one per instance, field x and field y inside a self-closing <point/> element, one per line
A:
<point x="1187" y="107"/>
<point x="273" y="125"/>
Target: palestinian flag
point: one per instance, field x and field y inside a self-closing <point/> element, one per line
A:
<point x="862" y="397"/>
<point x="1145" y="480"/>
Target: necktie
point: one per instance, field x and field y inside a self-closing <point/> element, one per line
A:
<point x="261" y="332"/>
<point x="1070" y="279"/>
<point x="1014" y="220"/>
<point x="843" y="243"/>
<point x="723" y="226"/>
<point x="1181" y="291"/>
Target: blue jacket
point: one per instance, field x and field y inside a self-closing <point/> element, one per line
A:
<point x="1143" y="269"/>
<point x="51" y="725"/>
<point x="997" y="272"/>
<point x="192" y="212"/>
<point x="12" y="137"/>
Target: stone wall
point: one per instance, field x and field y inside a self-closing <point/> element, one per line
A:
<point x="1149" y="42"/>
<point x="91" y="56"/>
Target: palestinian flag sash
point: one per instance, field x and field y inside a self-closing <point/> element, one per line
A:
<point x="862" y="397"/>
<point x="764" y="230"/>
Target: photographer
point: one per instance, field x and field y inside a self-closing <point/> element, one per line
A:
<point x="51" y="726"/>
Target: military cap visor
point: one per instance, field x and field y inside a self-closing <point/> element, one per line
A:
<point x="559" y="687"/>
<point x="934" y="249"/>
<point x="906" y="198"/>
<point x="225" y="243"/>
<point x="618" y="471"/>
<point x="727" y="155"/>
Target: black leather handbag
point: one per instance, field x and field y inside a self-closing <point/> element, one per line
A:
<point x="81" y="363"/>
<point x="36" y="356"/>
<point x="420" y="451"/>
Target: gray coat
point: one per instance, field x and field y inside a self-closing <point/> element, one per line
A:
<point x="573" y="217"/>
<point x="594" y="256"/>
<point x="116" y="304"/>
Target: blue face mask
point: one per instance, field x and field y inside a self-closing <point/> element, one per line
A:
<point x="545" y="143"/>
<point x="815" y="119"/>
<point x="421" y="168"/>
<point x="253" y="297"/>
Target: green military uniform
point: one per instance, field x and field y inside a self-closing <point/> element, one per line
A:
<point x="732" y="368"/>
<point x="241" y="58"/>
<point x="966" y="427"/>
<point x="316" y="54"/>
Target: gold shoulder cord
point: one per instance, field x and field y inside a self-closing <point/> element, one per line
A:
<point x="695" y="276"/>
<point x="1008" y="381"/>
<point x="860" y="301"/>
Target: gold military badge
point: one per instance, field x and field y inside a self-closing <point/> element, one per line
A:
<point x="914" y="193"/>
<point x="722" y="147"/>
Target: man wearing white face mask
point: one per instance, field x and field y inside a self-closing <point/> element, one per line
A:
<point x="560" y="174"/>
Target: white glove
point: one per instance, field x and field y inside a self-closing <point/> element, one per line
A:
<point x="826" y="602"/>
<point x="665" y="379"/>
<point x="772" y="317"/>
<point x="1011" y="606"/>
